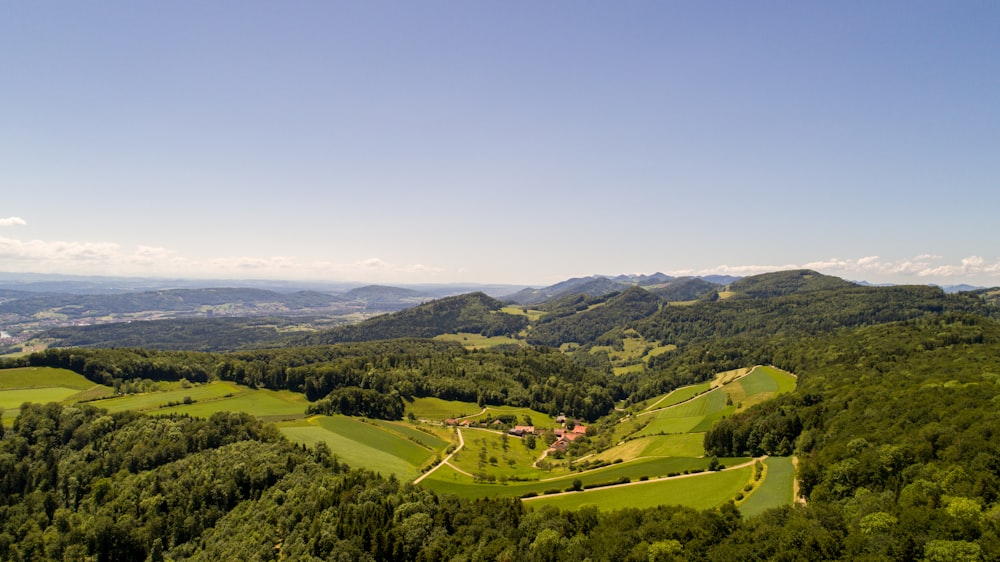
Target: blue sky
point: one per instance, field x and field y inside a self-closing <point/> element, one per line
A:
<point x="520" y="142"/>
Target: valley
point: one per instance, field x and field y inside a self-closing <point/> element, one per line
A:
<point x="773" y="407"/>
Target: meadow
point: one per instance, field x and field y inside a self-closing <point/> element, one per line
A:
<point x="41" y="385"/>
<point x="663" y="440"/>
<point x="701" y="491"/>
<point x="775" y="489"/>
<point x="389" y="449"/>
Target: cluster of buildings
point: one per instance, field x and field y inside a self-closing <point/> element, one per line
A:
<point x="564" y="435"/>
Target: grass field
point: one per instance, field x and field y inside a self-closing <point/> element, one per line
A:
<point x="43" y="385"/>
<point x="679" y="395"/>
<point x="436" y="409"/>
<point x="538" y="419"/>
<point x="477" y="341"/>
<point x="447" y="480"/>
<point x="775" y="490"/>
<point x="263" y="403"/>
<point x="516" y="460"/>
<point x="42" y="377"/>
<point x="365" y="445"/>
<point x="155" y="400"/>
<point x="703" y="491"/>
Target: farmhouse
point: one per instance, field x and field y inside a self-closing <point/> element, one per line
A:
<point x="522" y="430"/>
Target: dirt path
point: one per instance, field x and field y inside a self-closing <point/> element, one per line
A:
<point x="461" y="443"/>
<point x="796" y="494"/>
<point x="651" y="480"/>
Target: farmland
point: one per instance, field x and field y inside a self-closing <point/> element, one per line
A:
<point x="383" y="447"/>
<point x="660" y="446"/>
<point x="665" y="439"/>
<point x="42" y="384"/>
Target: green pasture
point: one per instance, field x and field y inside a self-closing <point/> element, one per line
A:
<point x="477" y="341"/>
<point x="679" y="395"/>
<point x="42" y="377"/>
<point x="449" y="481"/>
<point x="516" y="461"/>
<point x="362" y="444"/>
<point x="438" y="441"/>
<point x="154" y="400"/>
<point x="532" y="314"/>
<point x="42" y="385"/>
<point x="538" y="419"/>
<point x="775" y="490"/>
<point x="436" y="409"/>
<point x="263" y="403"/>
<point x="676" y="445"/>
<point x="11" y="399"/>
<point x="702" y="491"/>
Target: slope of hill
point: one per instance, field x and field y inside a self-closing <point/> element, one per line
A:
<point x="683" y="289"/>
<point x="585" y="327"/>
<point x="474" y="312"/>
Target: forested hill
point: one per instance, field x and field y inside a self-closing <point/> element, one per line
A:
<point x="473" y="312"/>
<point x="79" y="484"/>
<point x="585" y="327"/>
<point x="174" y="300"/>
<point x="798" y="303"/>
<point x="542" y="379"/>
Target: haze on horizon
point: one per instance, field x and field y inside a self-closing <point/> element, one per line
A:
<point x="526" y="143"/>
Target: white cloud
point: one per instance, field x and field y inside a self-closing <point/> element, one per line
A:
<point x="13" y="221"/>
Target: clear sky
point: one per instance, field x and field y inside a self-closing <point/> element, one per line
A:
<point x="488" y="141"/>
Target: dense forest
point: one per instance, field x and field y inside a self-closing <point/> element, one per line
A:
<point x="894" y="425"/>
<point x="539" y="378"/>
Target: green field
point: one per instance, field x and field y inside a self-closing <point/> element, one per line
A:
<point x="538" y="419"/>
<point x="364" y="445"/>
<point x="447" y="480"/>
<point x="42" y="377"/>
<point x="263" y="403"/>
<point x="701" y="413"/>
<point x="516" y="460"/>
<point x="667" y="439"/>
<point x="477" y="341"/>
<point x="776" y="488"/>
<point x="436" y="409"/>
<point x="703" y="491"/>
<point x="155" y="400"/>
<point x="42" y="385"/>
<point x="679" y="395"/>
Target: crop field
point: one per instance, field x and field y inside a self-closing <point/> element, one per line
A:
<point x="362" y="444"/>
<point x="775" y="489"/>
<point x="702" y="491"/>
